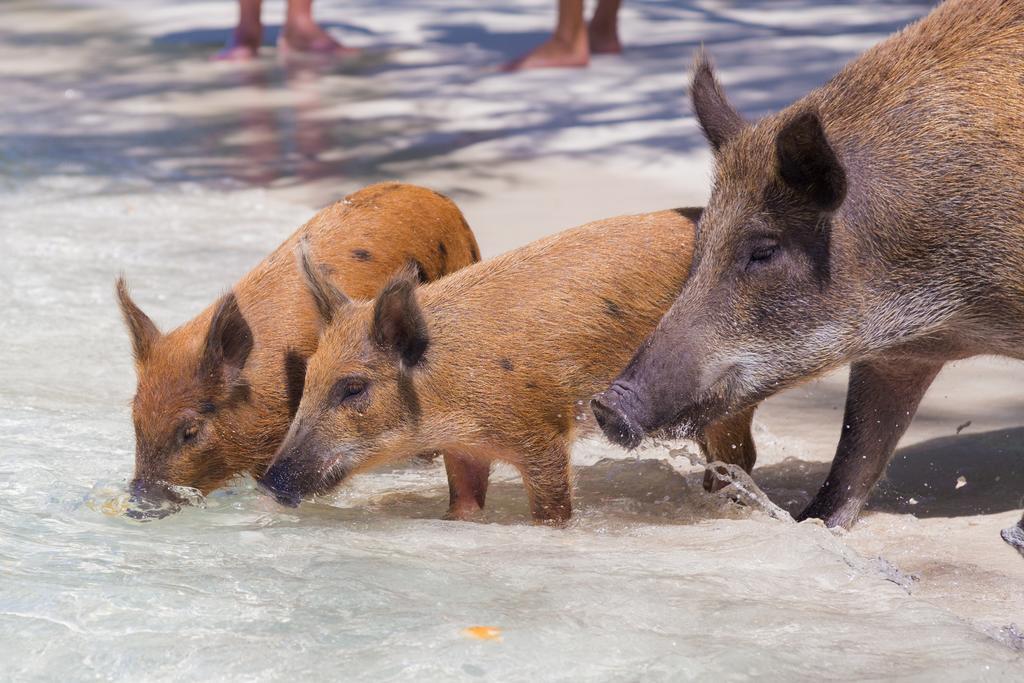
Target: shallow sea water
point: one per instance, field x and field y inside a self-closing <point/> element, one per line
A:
<point x="653" y="580"/>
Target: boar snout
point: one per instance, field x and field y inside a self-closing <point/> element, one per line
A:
<point x="151" y="501"/>
<point x="616" y="412"/>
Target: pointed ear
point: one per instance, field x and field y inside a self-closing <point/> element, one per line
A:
<point x="327" y="296"/>
<point x="141" y="329"/>
<point x="228" y="341"/>
<point x="718" y="119"/>
<point x="807" y="163"/>
<point x="398" y="324"/>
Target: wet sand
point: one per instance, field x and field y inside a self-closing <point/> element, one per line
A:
<point x="106" y="100"/>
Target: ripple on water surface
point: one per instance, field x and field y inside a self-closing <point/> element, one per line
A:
<point x="653" y="579"/>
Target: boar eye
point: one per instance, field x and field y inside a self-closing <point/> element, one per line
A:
<point x="347" y="390"/>
<point x="762" y="252"/>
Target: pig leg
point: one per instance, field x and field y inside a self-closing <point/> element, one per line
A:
<point x="881" y="400"/>
<point x="467" y="485"/>
<point x="729" y="440"/>
<point x="1015" y="536"/>
<point x="546" y="477"/>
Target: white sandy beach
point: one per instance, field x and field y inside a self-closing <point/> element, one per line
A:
<point x="125" y="149"/>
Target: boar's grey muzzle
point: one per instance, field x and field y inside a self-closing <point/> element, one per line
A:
<point x="615" y="412"/>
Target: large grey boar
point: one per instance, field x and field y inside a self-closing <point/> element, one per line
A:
<point x="878" y="221"/>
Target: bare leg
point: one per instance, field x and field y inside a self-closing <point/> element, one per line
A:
<point x="301" y="34"/>
<point x="568" y="46"/>
<point x="729" y="441"/>
<point x="604" y="28"/>
<point x="1015" y="536"/>
<point x="546" y="476"/>
<point x="467" y="485"/>
<point x="880" y="403"/>
<point x="245" y="40"/>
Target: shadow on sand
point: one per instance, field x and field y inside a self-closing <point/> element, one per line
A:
<point x="274" y="124"/>
<point x="617" y="492"/>
<point x="922" y="479"/>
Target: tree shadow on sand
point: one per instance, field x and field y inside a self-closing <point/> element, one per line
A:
<point x="922" y="480"/>
<point x="269" y="124"/>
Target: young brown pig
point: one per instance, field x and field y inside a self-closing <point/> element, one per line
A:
<point x="487" y="364"/>
<point x="215" y="395"/>
<point x="878" y="221"/>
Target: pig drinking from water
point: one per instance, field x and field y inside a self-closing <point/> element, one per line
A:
<point x="215" y="395"/>
<point x="878" y="221"/>
<point x="490" y="363"/>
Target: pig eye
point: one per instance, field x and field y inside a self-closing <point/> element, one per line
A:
<point x="347" y="390"/>
<point x="188" y="434"/>
<point x="761" y="253"/>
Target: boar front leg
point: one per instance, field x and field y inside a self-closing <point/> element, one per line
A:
<point x="546" y="477"/>
<point x="467" y="485"/>
<point x="729" y="440"/>
<point x="881" y="400"/>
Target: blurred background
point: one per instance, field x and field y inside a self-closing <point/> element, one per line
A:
<point x="122" y="96"/>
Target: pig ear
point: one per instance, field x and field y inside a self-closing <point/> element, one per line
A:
<point x="398" y="324"/>
<point x="229" y="340"/>
<point x="327" y="296"/>
<point x="718" y="119"/>
<point x="142" y="330"/>
<point x="807" y="163"/>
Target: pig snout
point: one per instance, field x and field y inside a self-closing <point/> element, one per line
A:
<point x="615" y="410"/>
<point x="151" y="501"/>
<point x="303" y="467"/>
<point x="281" y="482"/>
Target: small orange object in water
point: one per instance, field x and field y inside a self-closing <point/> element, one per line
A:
<point x="482" y="632"/>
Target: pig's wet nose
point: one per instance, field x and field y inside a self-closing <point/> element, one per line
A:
<point x="615" y="423"/>
<point x="149" y="502"/>
<point x="276" y="483"/>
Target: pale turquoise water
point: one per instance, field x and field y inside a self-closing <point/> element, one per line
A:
<point x="107" y="111"/>
<point x="653" y="581"/>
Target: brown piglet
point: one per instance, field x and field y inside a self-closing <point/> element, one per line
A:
<point x="215" y="396"/>
<point x="490" y="363"/>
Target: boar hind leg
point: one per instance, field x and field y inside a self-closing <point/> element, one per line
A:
<point x="546" y="477"/>
<point x="880" y="402"/>
<point x="729" y="440"/>
<point x="467" y="485"/>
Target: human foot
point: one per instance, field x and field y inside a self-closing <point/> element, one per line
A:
<point x="307" y="37"/>
<point x="555" y="53"/>
<point x="604" y="40"/>
<point x="242" y="46"/>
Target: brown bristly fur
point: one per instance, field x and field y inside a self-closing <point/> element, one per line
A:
<point x="878" y="221"/>
<point x="490" y="363"/>
<point x="240" y="414"/>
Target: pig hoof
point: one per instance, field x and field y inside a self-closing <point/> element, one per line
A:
<point x="1015" y="537"/>
<point x="713" y="483"/>
<point x="832" y="517"/>
<point x="462" y="514"/>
